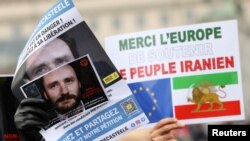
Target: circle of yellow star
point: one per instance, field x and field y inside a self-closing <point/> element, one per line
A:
<point x="150" y="114"/>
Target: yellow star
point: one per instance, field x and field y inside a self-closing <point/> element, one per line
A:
<point x="150" y="114"/>
<point x="152" y="94"/>
<point x="155" y="100"/>
<point x="141" y="88"/>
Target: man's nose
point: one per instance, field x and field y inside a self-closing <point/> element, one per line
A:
<point x="64" y="89"/>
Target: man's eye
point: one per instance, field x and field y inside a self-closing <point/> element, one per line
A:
<point x="53" y="86"/>
<point x="69" y="80"/>
<point x="41" y="71"/>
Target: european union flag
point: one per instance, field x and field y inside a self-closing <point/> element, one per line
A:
<point x="154" y="97"/>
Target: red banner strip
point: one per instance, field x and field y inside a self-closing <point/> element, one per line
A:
<point x="190" y="112"/>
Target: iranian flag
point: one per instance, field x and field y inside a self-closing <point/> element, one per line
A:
<point x="207" y="96"/>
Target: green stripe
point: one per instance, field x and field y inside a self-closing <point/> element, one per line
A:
<point x="215" y="79"/>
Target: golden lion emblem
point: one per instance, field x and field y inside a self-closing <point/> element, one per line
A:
<point x="206" y="94"/>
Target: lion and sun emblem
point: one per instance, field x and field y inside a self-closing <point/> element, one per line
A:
<point x="206" y="92"/>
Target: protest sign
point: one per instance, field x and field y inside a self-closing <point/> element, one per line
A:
<point x="190" y="72"/>
<point x="96" y="105"/>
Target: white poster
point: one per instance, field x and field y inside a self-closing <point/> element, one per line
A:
<point x="189" y="72"/>
<point x="64" y="65"/>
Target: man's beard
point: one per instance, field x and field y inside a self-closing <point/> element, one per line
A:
<point x="66" y="103"/>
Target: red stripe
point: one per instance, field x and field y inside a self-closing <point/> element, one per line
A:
<point x="188" y="111"/>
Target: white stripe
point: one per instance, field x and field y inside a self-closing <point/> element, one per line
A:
<point x="233" y="92"/>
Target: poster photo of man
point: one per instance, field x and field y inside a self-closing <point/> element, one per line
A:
<point x="68" y="89"/>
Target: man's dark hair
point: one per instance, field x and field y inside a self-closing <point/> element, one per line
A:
<point x="71" y="43"/>
<point x="72" y="65"/>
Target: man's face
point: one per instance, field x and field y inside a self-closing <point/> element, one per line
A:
<point x="54" y="54"/>
<point x="62" y="88"/>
